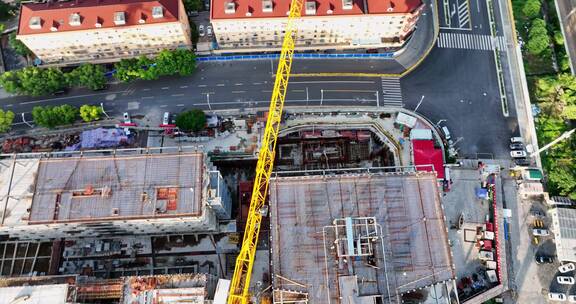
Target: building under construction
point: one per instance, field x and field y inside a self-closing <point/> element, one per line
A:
<point x="45" y="196"/>
<point x="360" y="236"/>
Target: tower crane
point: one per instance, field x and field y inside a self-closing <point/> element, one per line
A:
<point x="240" y="283"/>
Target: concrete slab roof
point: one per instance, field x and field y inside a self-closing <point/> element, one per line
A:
<point x="410" y="249"/>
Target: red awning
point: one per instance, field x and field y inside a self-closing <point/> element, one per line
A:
<point x="426" y="154"/>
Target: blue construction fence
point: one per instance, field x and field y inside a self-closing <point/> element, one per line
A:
<point x="297" y="55"/>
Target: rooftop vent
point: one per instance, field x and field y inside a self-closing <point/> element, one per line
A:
<point x="230" y="7"/>
<point x="35" y="23"/>
<point x="119" y="18"/>
<point x="310" y="7"/>
<point x="75" y="19"/>
<point x="347" y="4"/>
<point x="98" y="22"/>
<point x="157" y="12"/>
<point x="142" y="19"/>
<point x="267" y="6"/>
<point x="329" y="12"/>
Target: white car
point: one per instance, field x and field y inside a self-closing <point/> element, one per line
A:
<point x="166" y="118"/>
<point x="540" y="232"/>
<point x="566" y="268"/>
<point x="201" y="30"/>
<point x="518" y="154"/>
<point x="209" y="31"/>
<point x="126" y="117"/>
<point x="572" y="299"/>
<point x="556" y="296"/>
<point x="565" y="280"/>
<point x="516" y="140"/>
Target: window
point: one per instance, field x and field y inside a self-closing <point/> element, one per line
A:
<point x="35" y="23"/>
<point x="157" y="12"/>
<point x="75" y="19"/>
<point x="119" y="18"/>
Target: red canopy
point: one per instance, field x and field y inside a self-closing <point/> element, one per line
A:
<point x="426" y="154"/>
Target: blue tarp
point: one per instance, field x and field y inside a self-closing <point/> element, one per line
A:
<point x="103" y="138"/>
<point x="482" y="193"/>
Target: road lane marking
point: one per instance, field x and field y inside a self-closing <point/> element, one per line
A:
<point x="202" y="85"/>
<point x="220" y="85"/>
<point x="183" y="87"/>
<point x="266" y="91"/>
<point x="329" y="81"/>
<point x="71" y="97"/>
<point x="163" y="106"/>
<point x="238" y="84"/>
<point x="299" y="91"/>
<point x="177" y="95"/>
<point x="256" y="83"/>
<point x="146" y="89"/>
<point x="148" y="97"/>
<point x="180" y="105"/>
<point x="238" y="92"/>
<point x="9" y="105"/>
<point x="165" y="88"/>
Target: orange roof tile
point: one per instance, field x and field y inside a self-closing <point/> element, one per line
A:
<point x="57" y="14"/>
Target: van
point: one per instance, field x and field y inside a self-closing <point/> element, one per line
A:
<point x="446" y="133"/>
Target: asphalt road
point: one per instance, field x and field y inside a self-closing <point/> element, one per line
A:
<point x="458" y="85"/>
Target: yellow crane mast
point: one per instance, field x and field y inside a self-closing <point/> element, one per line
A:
<point x="242" y="272"/>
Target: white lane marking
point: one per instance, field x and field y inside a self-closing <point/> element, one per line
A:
<point x="183" y="87"/>
<point x="146" y="89"/>
<point x="238" y="84"/>
<point x="220" y="85"/>
<point x="256" y="83"/>
<point x="177" y="95"/>
<point x="165" y="88"/>
<point x="202" y="85"/>
<point x="148" y="97"/>
<point x="71" y="97"/>
<point x="180" y="105"/>
<point x="238" y="92"/>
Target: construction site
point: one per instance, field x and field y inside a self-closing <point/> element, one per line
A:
<point x="100" y="193"/>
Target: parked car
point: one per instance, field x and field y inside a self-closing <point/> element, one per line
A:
<point x="518" y="154"/>
<point x="566" y="268"/>
<point x="166" y="118"/>
<point x="572" y="298"/>
<point x="522" y="162"/>
<point x="565" y="280"/>
<point x="209" y="31"/>
<point x="446" y="133"/>
<point x="516" y="140"/>
<point x="537" y="213"/>
<point x="556" y="296"/>
<point x="126" y="118"/>
<point x="201" y="31"/>
<point x="517" y="146"/>
<point x="544" y="259"/>
<point x="540" y="232"/>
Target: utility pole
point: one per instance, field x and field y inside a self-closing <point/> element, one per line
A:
<point x="419" y="103"/>
<point x="24" y="120"/>
<point x="208" y="101"/>
<point x="552" y="143"/>
<point x="377" y="99"/>
<point x="102" y="107"/>
<point x="321" y="96"/>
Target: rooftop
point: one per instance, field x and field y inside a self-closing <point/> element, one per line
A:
<point x="372" y="234"/>
<point x="76" y="189"/>
<point x="564" y="221"/>
<point x="60" y="16"/>
<point x="233" y="9"/>
<point x="49" y="294"/>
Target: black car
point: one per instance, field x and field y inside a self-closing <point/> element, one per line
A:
<point x="516" y="146"/>
<point x="522" y="162"/>
<point x="544" y="259"/>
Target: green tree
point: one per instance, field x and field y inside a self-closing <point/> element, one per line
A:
<point x="51" y="117"/>
<point x="126" y="70"/>
<point x="90" y="113"/>
<point x="36" y="81"/>
<point x="18" y="45"/>
<point x="531" y="8"/>
<point x="11" y="82"/>
<point x="558" y="37"/>
<point x="6" y="119"/>
<point x="87" y="75"/>
<point x="193" y="120"/>
<point x="538" y="39"/>
<point x="563" y="179"/>
<point x="193" y="5"/>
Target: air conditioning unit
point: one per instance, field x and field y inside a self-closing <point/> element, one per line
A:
<point x="310" y="7"/>
<point x="267" y="6"/>
<point x="347" y="4"/>
<point x="119" y="18"/>
<point x="230" y="8"/>
<point x="35" y="23"/>
<point x="75" y="19"/>
<point x="157" y="12"/>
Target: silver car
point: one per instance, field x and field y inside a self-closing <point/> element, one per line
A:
<point x="201" y="30"/>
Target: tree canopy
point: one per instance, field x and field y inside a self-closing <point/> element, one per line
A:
<point x="87" y="75"/>
<point x="51" y="117"/>
<point x="538" y="39"/>
<point x="531" y="8"/>
<point x="18" y="46"/>
<point x="90" y="113"/>
<point x="6" y="119"/>
<point x="193" y="120"/>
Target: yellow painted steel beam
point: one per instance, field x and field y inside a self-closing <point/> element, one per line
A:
<point x="240" y="284"/>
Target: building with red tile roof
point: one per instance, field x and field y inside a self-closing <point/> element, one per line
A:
<point x="258" y="24"/>
<point x="71" y="32"/>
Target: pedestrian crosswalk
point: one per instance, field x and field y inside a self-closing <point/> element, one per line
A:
<point x="391" y="92"/>
<point x="470" y="41"/>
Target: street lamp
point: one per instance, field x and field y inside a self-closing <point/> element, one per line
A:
<point x="24" y="120"/>
<point x="102" y="107"/>
<point x="208" y="101"/>
<point x="439" y="122"/>
<point x="419" y="103"/>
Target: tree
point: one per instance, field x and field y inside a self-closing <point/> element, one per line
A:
<point x="531" y="8"/>
<point x="90" y="113"/>
<point x="193" y="120"/>
<point x="6" y="119"/>
<point x="563" y="179"/>
<point x="18" y="46"/>
<point x="51" y="117"/>
<point x="35" y="81"/>
<point x="11" y="82"/>
<point x="87" y="75"/>
<point x="538" y="39"/>
<point x="193" y="5"/>
<point x="126" y="70"/>
<point x="558" y="37"/>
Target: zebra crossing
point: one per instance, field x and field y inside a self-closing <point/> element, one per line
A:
<point x="391" y="92"/>
<point x="470" y="41"/>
